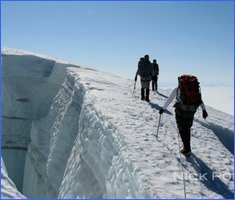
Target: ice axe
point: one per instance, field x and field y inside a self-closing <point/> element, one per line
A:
<point x="134" y="87"/>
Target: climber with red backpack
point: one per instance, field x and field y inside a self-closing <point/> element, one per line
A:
<point x="188" y="99"/>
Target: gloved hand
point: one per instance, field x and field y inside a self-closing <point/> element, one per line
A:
<point x="161" y="111"/>
<point x="204" y="114"/>
<point x="135" y="78"/>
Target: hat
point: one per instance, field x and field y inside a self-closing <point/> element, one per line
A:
<point x="146" y="56"/>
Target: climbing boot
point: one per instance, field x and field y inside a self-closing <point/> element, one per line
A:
<point x="147" y="95"/>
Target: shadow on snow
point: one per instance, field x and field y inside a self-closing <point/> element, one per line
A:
<point x="157" y="107"/>
<point x="211" y="179"/>
<point x="225" y="135"/>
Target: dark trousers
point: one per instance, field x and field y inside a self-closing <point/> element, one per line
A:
<point x="184" y="125"/>
<point x="154" y="83"/>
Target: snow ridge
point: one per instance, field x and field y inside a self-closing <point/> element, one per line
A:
<point x="90" y="136"/>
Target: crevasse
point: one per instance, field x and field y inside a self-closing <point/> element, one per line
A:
<point x="69" y="150"/>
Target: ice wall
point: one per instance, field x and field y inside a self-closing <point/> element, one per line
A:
<point x="63" y="145"/>
<point x="74" y="153"/>
<point x="52" y="138"/>
<point x="29" y="84"/>
<point x="98" y="158"/>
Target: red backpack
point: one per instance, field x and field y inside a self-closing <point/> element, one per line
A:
<point x="189" y="90"/>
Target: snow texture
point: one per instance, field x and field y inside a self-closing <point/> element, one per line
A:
<point x="73" y="132"/>
<point x="8" y="188"/>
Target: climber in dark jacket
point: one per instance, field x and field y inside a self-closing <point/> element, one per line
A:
<point x="145" y="72"/>
<point x="155" y="75"/>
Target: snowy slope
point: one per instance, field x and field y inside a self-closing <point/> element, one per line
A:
<point x="96" y="138"/>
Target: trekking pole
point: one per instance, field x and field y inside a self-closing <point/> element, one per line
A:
<point x="158" y="125"/>
<point x="134" y="87"/>
<point x="182" y="169"/>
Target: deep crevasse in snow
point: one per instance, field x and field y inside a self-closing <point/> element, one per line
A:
<point x="95" y="138"/>
<point x="85" y="145"/>
<point x="24" y="79"/>
<point x="51" y="130"/>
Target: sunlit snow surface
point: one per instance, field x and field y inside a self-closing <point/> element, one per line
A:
<point x="90" y="136"/>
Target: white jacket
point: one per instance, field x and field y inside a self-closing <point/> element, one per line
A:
<point x="176" y="94"/>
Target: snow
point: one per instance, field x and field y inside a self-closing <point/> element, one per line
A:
<point x="86" y="134"/>
<point x="8" y="188"/>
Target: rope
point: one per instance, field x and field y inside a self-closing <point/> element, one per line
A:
<point x="181" y="163"/>
<point x="166" y="146"/>
<point x="194" y="162"/>
<point x="182" y="169"/>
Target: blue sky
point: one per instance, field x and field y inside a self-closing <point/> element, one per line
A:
<point x="194" y="37"/>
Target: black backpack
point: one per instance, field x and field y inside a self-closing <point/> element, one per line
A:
<point x="144" y="68"/>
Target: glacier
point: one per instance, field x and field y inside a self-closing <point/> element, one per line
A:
<point x="74" y="132"/>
